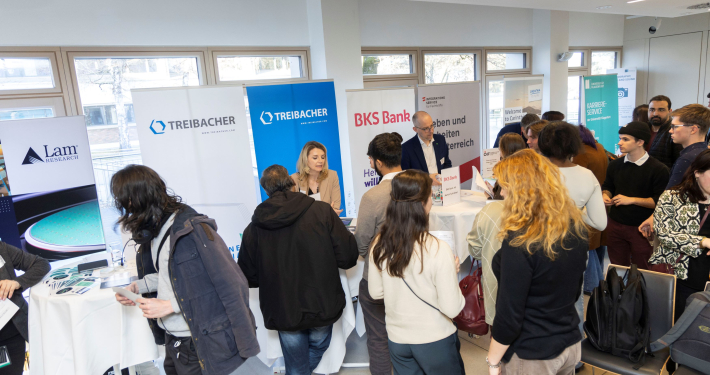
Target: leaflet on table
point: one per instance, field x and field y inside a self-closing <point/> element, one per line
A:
<point x="490" y="158"/>
<point x="127" y="293"/>
<point x="446" y="236"/>
<point x="70" y="281"/>
<point x="7" y="311"/>
<point x="451" y="186"/>
<point x="481" y="183"/>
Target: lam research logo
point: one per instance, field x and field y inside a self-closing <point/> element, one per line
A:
<point x="63" y="153"/>
<point x="265" y="122"/>
<point x="154" y="124"/>
<point x="32" y="157"/>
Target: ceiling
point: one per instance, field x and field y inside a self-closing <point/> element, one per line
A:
<point x="655" y="8"/>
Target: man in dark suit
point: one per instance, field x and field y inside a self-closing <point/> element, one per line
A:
<point x="426" y="151"/>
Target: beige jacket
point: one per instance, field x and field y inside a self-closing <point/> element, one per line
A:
<point x="408" y="319"/>
<point x="483" y="244"/>
<point x="329" y="188"/>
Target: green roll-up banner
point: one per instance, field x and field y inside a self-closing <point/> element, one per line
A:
<point x="601" y="105"/>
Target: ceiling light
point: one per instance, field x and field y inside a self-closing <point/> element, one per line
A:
<point x="604" y="7"/>
<point x="633" y="1"/>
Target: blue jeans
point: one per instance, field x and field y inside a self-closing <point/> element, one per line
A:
<point x="595" y="269"/>
<point x="303" y="349"/>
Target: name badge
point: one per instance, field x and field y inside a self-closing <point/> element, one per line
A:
<point x="442" y="160"/>
<point x="2" y="262"/>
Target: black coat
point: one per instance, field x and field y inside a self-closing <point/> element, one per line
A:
<point x="35" y="269"/>
<point x="291" y="251"/>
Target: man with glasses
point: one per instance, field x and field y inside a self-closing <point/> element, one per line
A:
<point x="426" y="151"/>
<point x="662" y="146"/>
<point x="688" y="128"/>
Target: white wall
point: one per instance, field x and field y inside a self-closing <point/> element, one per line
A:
<point x="693" y="60"/>
<point x="154" y="23"/>
<point x="595" y="29"/>
<point x="388" y="23"/>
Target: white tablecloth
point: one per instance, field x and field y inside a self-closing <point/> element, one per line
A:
<point x="332" y="358"/>
<point x="86" y="334"/>
<point x="458" y="218"/>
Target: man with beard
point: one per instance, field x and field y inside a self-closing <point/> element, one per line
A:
<point x="385" y="152"/>
<point x="662" y="146"/>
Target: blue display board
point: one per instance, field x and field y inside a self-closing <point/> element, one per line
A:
<point x="285" y="117"/>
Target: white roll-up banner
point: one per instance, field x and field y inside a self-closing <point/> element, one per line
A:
<point x="48" y="199"/>
<point x="626" y="79"/>
<point x="197" y="139"/>
<point x="372" y="112"/>
<point x="455" y="110"/>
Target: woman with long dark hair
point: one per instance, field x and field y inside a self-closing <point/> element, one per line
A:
<point x="179" y="257"/>
<point x="539" y="268"/>
<point x="682" y="223"/>
<point x="416" y="274"/>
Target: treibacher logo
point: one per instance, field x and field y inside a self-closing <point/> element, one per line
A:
<point x="154" y="126"/>
<point x="267" y="118"/>
<point x="265" y="122"/>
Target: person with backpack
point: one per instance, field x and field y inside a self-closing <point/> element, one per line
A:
<point x="680" y="220"/>
<point x="540" y="269"/>
<point x="416" y="275"/>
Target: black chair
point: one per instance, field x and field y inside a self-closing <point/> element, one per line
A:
<point x="660" y="289"/>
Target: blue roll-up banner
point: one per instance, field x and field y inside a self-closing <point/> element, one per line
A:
<point x="285" y="117"/>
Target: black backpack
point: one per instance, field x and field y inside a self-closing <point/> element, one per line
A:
<point x="617" y="316"/>
<point x="689" y="338"/>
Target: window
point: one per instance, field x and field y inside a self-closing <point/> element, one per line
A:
<point x="506" y="61"/>
<point x="496" y="106"/>
<point x="603" y="60"/>
<point x="577" y="60"/>
<point x="246" y="68"/>
<point x="387" y="64"/>
<point x="28" y="113"/>
<point x="449" y="67"/>
<point x="25" y="73"/>
<point x="574" y="99"/>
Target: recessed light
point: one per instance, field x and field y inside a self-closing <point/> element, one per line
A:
<point x="604" y="7"/>
<point x="633" y="1"/>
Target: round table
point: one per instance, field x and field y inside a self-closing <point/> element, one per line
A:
<point x="85" y="334"/>
<point x="458" y="218"/>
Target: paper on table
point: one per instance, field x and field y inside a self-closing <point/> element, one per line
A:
<point x="481" y="183"/>
<point x="446" y="236"/>
<point x="7" y="311"/>
<point x="126" y="293"/>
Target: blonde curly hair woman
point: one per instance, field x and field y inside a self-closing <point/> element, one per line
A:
<point x="539" y="267"/>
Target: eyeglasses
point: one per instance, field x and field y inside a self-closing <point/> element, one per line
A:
<point x="675" y="127"/>
<point x="427" y="129"/>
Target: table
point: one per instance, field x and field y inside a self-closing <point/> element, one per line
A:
<point x="458" y="218"/>
<point x="86" y="334"/>
<point x="332" y="358"/>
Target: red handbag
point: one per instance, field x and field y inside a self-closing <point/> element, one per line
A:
<point x="472" y="318"/>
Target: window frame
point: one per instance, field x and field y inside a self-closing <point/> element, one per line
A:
<point x="415" y="60"/>
<point x="586" y="57"/>
<point x="303" y="52"/>
<point x="580" y="74"/>
<point x="587" y="68"/>
<point x="477" y="53"/>
<point x="528" y="61"/>
<point x="205" y="74"/>
<point x="53" y="61"/>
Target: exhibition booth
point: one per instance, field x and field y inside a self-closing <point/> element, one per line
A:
<point x="210" y="145"/>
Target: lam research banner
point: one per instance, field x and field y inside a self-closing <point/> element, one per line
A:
<point x="48" y="200"/>
<point x="197" y="139"/>
<point x="601" y="107"/>
<point x="285" y="117"/>
<point x="373" y="112"/>
<point x="626" y="79"/>
<point x="455" y="110"/>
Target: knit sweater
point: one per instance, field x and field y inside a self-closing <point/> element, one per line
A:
<point x="408" y="319"/>
<point x="483" y="243"/>
<point x="645" y="181"/>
